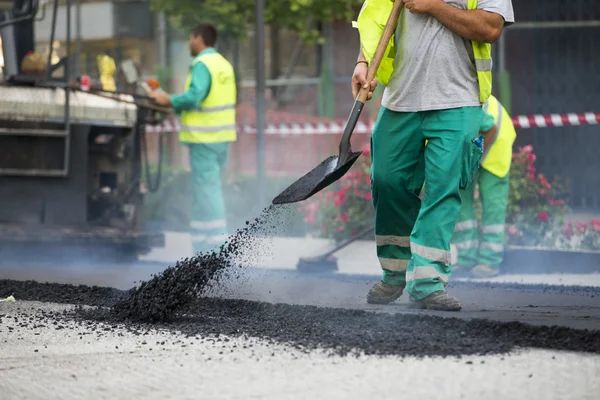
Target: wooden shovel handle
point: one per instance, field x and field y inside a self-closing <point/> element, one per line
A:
<point x="381" y="47"/>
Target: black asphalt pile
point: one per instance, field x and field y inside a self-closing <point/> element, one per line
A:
<point x="59" y="293"/>
<point x="173" y="290"/>
<point x="339" y="331"/>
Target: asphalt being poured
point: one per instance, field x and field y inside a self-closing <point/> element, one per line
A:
<point x="173" y="290"/>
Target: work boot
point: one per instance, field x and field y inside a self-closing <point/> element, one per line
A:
<point x="484" y="271"/>
<point x="384" y="293"/>
<point x="440" y="301"/>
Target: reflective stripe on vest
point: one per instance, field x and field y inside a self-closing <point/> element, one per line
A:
<point x="371" y="23"/>
<point x="483" y="63"/>
<point x="214" y="119"/>
<point x="499" y="157"/>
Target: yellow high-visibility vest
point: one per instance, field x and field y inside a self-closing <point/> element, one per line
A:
<point x="371" y="23"/>
<point x="499" y="157"/>
<point x="214" y="119"/>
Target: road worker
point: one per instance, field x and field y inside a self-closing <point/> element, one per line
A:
<point x="437" y="73"/>
<point x="481" y="252"/>
<point x="208" y="127"/>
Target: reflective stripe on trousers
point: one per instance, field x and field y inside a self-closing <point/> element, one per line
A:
<point x="425" y="272"/>
<point x="208" y="225"/>
<point x="469" y="244"/>
<point x="497" y="247"/>
<point x="393" y="264"/>
<point x="498" y="228"/>
<point x="430" y="253"/>
<point x="465" y="225"/>
<point x="209" y="239"/>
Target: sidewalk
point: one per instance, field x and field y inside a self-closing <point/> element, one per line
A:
<point x="358" y="258"/>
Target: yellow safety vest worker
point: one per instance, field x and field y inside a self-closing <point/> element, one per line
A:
<point x="371" y="23"/>
<point x="499" y="157"/>
<point x="214" y="120"/>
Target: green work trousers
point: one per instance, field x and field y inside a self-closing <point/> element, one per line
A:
<point x="413" y="235"/>
<point x="208" y="220"/>
<point x="486" y="245"/>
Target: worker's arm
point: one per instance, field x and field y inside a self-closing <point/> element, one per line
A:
<point x="198" y="90"/>
<point x="477" y="25"/>
<point x="359" y="78"/>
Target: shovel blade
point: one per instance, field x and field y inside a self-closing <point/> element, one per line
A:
<point x="316" y="180"/>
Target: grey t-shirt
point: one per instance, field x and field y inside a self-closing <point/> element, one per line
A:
<point x="434" y="68"/>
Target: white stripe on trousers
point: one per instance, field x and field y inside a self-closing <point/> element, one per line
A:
<point x="209" y="239"/>
<point x="207" y="225"/>
<point x="465" y="225"/>
<point x="497" y="247"/>
<point x="392" y="264"/>
<point x="386" y="240"/>
<point x="430" y="253"/>
<point x="426" y="272"/>
<point x="498" y="228"/>
<point x="469" y="244"/>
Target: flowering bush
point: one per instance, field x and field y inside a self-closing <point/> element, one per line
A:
<point x="535" y="211"/>
<point x="344" y="208"/>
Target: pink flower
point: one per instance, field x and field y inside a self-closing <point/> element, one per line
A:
<point x="366" y="149"/>
<point x="368" y="180"/>
<point x="554" y="202"/>
<point x="531" y="158"/>
<point x="310" y="219"/>
<point x="344" y="217"/>
<point x="568" y="231"/>
<point x="476" y="194"/>
<point x="340" y="197"/>
<point x="542" y="192"/>
<point x="582" y="227"/>
<point x="543" y="216"/>
<point x="595" y="223"/>
<point x="513" y="230"/>
<point x="526" y="150"/>
<point x="369" y="196"/>
<point x="544" y="182"/>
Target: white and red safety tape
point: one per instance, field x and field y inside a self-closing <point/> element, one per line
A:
<point x="556" y="120"/>
<point x="337" y="127"/>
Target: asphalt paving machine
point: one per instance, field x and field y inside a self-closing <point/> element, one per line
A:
<point x="71" y="160"/>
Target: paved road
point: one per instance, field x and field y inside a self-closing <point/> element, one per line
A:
<point x="244" y="350"/>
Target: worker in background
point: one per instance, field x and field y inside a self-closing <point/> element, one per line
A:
<point x="482" y="251"/>
<point x="208" y="127"/>
<point x="441" y="77"/>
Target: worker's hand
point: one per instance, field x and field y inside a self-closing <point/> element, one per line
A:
<point x="420" y="6"/>
<point x="160" y="97"/>
<point x="359" y="80"/>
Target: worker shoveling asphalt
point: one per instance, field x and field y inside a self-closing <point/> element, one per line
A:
<point x="333" y="168"/>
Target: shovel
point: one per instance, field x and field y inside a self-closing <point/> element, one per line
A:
<point x="334" y="167"/>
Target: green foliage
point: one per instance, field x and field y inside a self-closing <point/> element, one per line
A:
<point x="163" y="75"/>
<point x="234" y="16"/>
